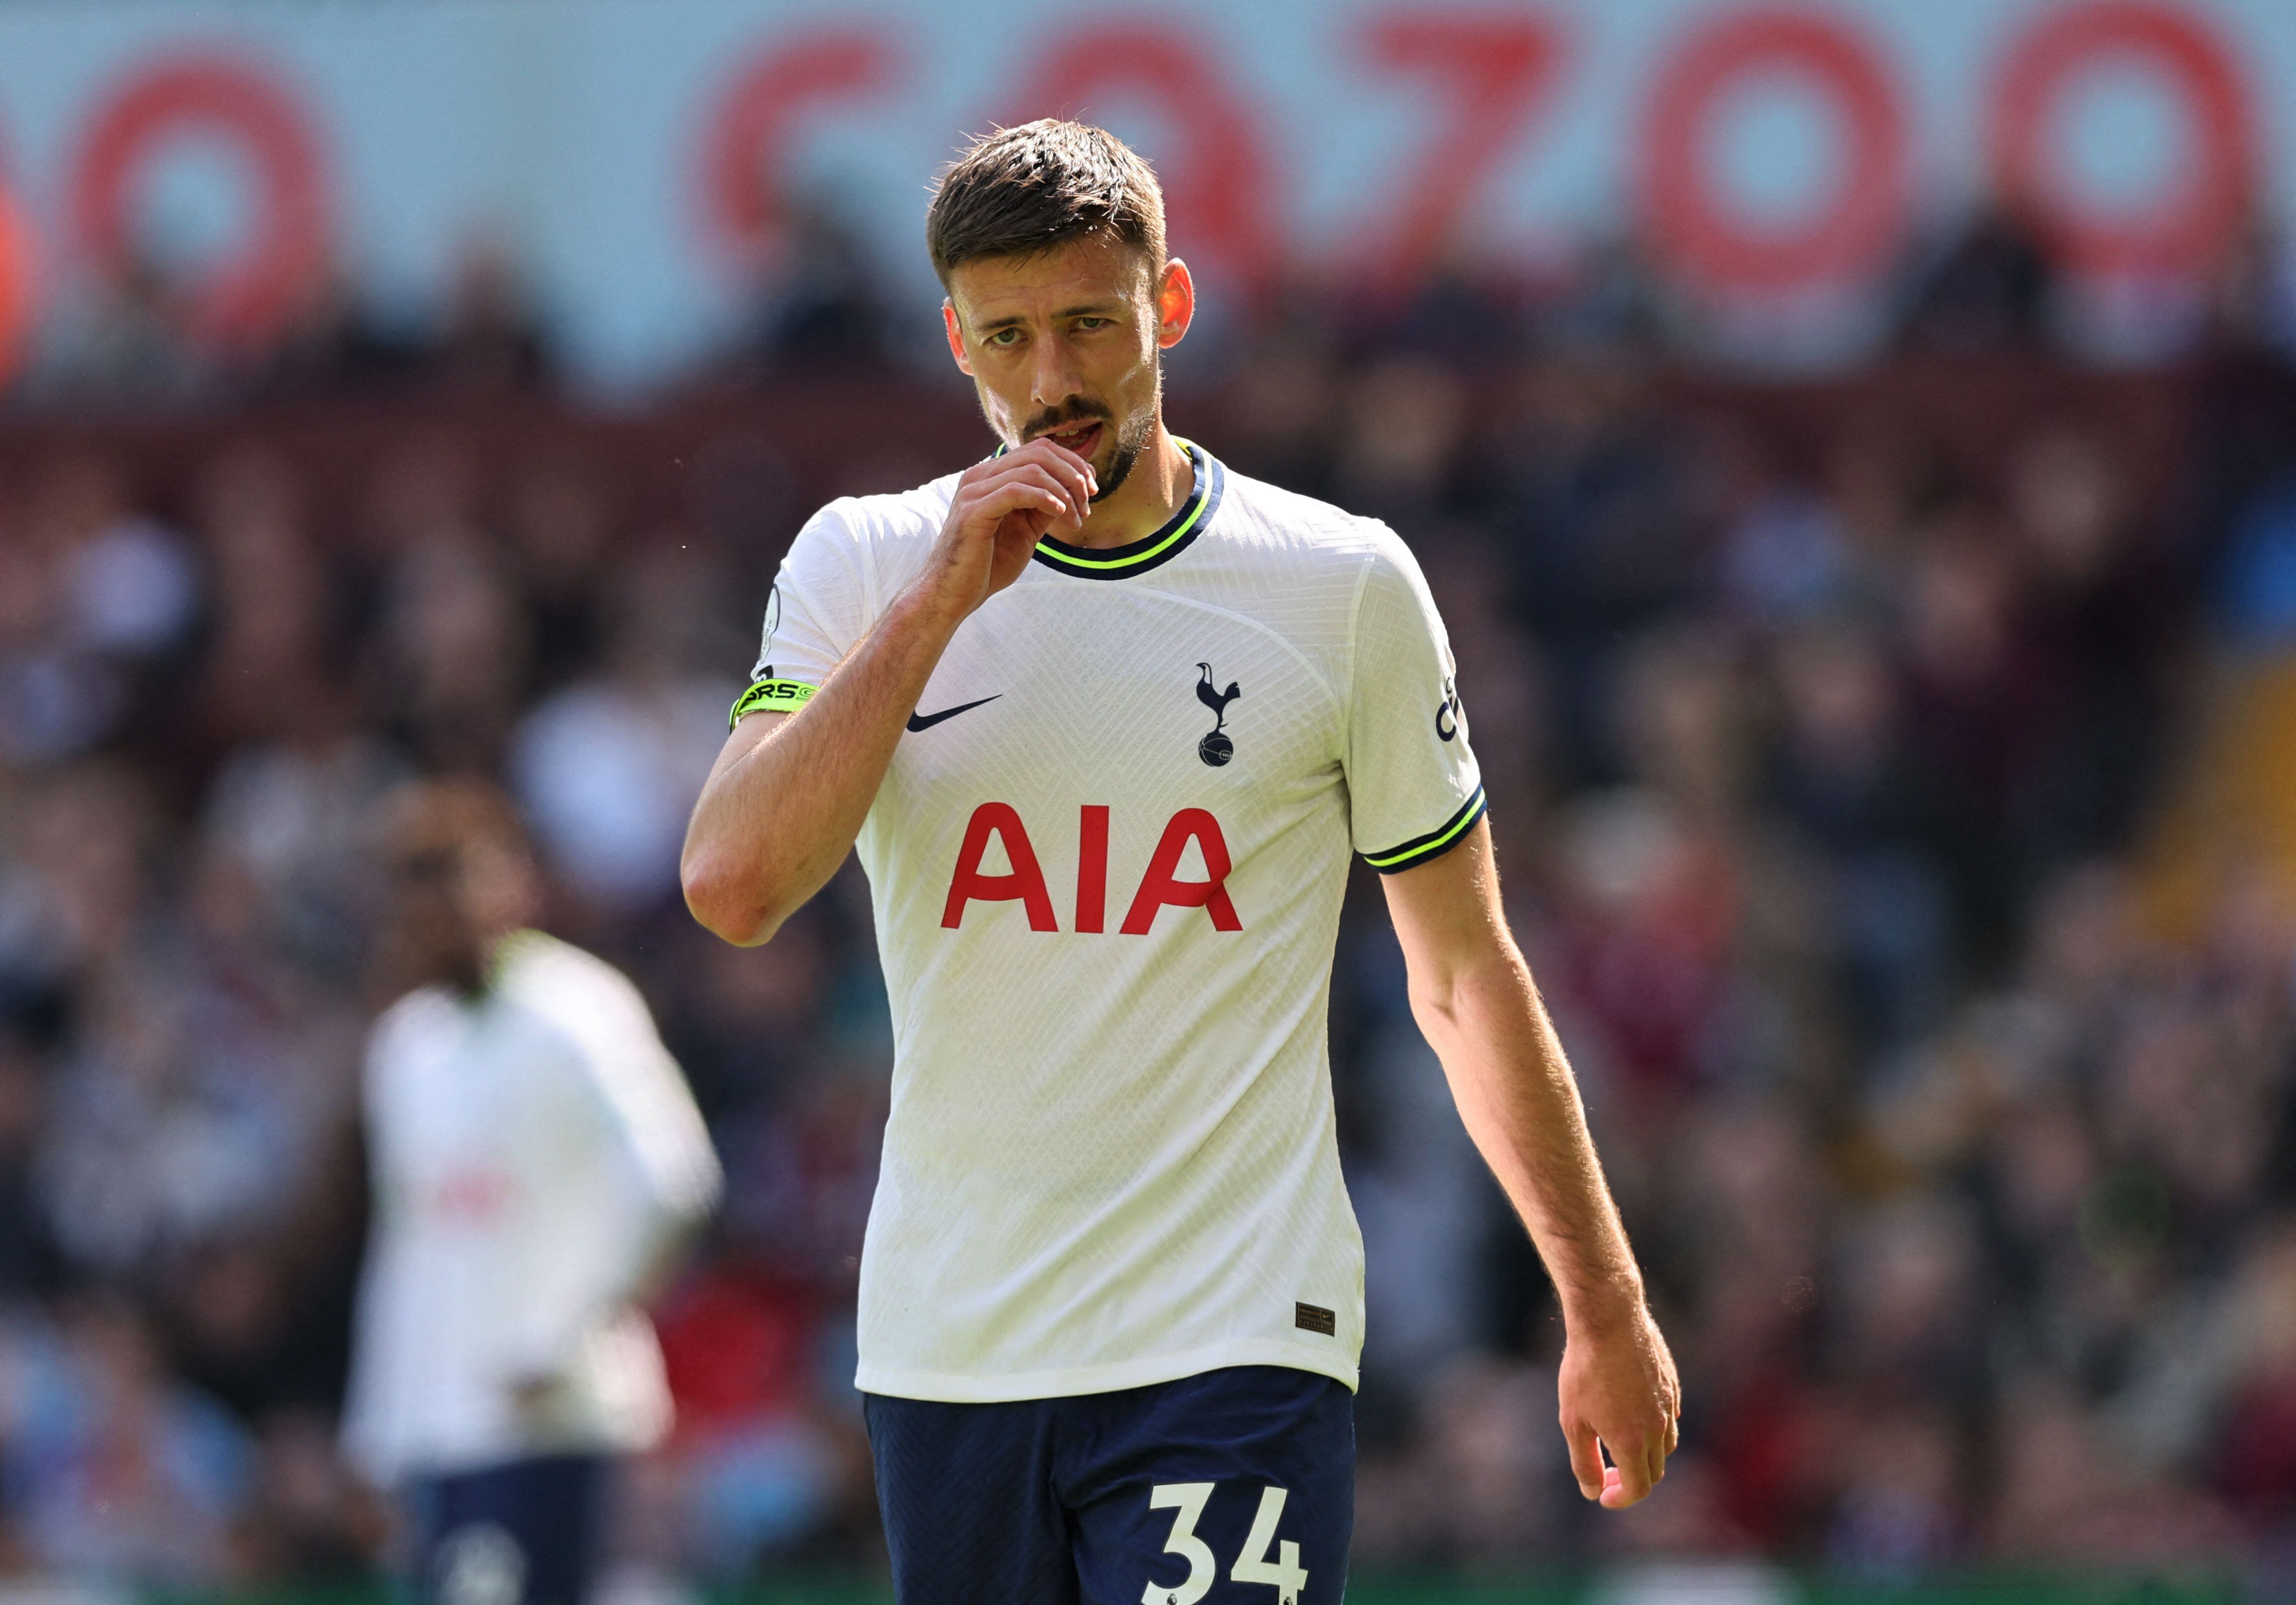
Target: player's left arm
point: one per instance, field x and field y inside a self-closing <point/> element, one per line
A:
<point x="1474" y="998"/>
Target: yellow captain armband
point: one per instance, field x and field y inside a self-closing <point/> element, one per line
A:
<point x="771" y="696"/>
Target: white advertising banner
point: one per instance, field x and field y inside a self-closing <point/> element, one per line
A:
<point x="641" y="156"/>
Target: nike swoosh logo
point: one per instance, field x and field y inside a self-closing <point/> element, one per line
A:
<point x="925" y="722"/>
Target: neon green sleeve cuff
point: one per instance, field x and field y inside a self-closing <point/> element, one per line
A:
<point x="771" y="696"/>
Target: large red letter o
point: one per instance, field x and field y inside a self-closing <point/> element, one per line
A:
<point x="285" y="261"/>
<point x="2195" y="220"/>
<point x="1215" y="187"/>
<point x="742" y="199"/>
<point x="1852" y="235"/>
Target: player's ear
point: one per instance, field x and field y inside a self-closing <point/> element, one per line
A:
<point x="955" y="336"/>
<point x="1176" y="303"/>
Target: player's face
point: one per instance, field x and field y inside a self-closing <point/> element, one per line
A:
<point x="448" y="905"/>
<point x="1069" y="343"/>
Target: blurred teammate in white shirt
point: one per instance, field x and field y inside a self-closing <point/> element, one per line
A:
<point x="538" y="1163"/>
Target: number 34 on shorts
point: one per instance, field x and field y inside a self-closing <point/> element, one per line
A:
<point x="1265" y="1558"/>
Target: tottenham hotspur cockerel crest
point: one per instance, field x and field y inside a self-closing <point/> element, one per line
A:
<point x="1216" y="748"/>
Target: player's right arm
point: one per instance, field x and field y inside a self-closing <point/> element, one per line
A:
<point x="790" y="791"/>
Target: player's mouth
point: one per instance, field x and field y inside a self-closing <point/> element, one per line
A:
<point x="1083" y="439"/>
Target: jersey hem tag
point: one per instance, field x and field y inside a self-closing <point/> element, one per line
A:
<point x="1314" y="1317"/>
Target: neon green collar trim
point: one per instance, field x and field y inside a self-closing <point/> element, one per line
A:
<point x="1151" y="551"/>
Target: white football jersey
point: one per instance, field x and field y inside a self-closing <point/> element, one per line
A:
<point x="534" y="1149"/>
<point x="1107" y="864"/>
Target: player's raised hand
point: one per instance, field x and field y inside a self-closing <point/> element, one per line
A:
<point x="1003" y="508"/>
<point x="1618" y="1393"/>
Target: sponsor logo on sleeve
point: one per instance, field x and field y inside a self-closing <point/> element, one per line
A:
<point x="1450" y="718"/>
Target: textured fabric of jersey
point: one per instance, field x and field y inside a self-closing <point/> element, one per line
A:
<point x="1107" y="864"/>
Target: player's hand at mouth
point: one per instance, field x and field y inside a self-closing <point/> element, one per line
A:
<point x="1003" y="508"/>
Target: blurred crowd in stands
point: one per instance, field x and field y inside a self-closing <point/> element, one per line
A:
<point x="1895" y="774"/>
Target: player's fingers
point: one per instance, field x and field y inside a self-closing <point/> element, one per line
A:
<point x="1634" y="1476"/>
<point x="1074" y="496"/>
<point x="1071" y="469"/>
<point x="1059" y="453"/>
<point x="989" y="473"/>
<point x="1072" y="472"/>
<point x="1586" y="1457"/>
<point x="1019" y="494"/>
<point x="1004" y="470"/>
<point x="1036" y="479"/>
<point x="997" y="503"/>
<point x="1040" y="462"/>
<point x="1076" y="483"/>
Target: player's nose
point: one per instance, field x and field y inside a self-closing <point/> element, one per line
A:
<point x="1052" y="378"/>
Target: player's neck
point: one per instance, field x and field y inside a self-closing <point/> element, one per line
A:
<point x="1151" y="494"/>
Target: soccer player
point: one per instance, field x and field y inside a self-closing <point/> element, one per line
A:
<point x="1106" y="720"/>
<point x="538" y="1164"/>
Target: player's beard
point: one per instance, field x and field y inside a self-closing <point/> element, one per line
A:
<point x="1131" y="440"/>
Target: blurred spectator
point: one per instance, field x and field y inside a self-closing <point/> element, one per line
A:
<point x="1988" y="290"/>
<point x="1282" y="399"/>
<point x="608" y="767"/>
<point x="493" y="342"/>
<point x="101" y="597"/>
<point x="122" y="343"/>
<point x="29" y="1263"/>
<point x="1486" y="1485"/>
<point x="758" y="1462"/>
<point x="122" y="1475"/>
<point x="2255" y="292"/>
<point x="562" y="528"/>
<point x="1403" y="428"/>
<point x="2258" y="602"/>
<point x="820" y="310"/>
<point x="452" y="655"/>
<point x="339" y="347"/>
<point x="307" y="1521"/>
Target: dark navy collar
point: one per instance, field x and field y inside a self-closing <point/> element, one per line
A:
<point x="1178" y="533"/>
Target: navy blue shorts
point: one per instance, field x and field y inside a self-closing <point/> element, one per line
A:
<point x="1234" y="1487"/>
<point x="524" y="1530"/>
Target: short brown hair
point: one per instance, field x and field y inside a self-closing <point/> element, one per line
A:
<point x="1021" y="191"/>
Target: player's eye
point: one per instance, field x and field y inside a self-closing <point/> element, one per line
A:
<point x="1092" y="322"/>
<point x="1005" y="337"/>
